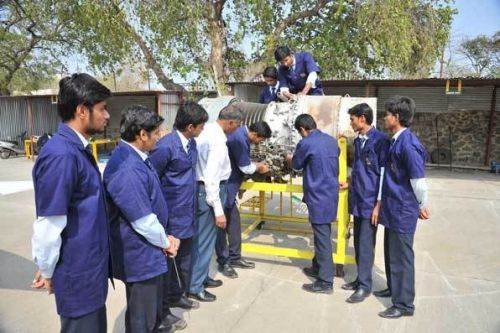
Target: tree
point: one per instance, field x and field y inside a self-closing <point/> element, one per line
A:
<point x="483" y="53"/>
<point x="27" y="45"/>
<point x="129" y="78"/>
<point x="222" y="40"/>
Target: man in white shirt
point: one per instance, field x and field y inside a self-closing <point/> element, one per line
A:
<point x="213" y="169"/>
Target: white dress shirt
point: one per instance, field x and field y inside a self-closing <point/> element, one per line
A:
<point x="213" y="164"/>
<point x="419" y="185"/>
<point x="184" y="141"/>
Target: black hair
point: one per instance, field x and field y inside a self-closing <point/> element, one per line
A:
<point x="402" y="106"/>
<point x="79" y="89"/>
<point x="306" y="121"/>
<point x="231" y="112"/>
<point x="261" y="128"/>
<point x="281" y="53"/>
<point x="270" y="71"/>
<point x="190" y="113"/>
<point x="136" y="118"/>
<point x="364" y="110"/>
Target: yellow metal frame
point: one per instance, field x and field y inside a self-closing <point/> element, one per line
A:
<point x="94" y="143"/>
<point x="28" y="145"/>
<point x="258" y="215"/>
<point x="454" y="92"/>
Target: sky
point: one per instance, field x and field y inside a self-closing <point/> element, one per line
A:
<point x="474" y="18"/>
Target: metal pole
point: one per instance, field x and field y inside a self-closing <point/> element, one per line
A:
<point x="491" y="127"/>
<point x="437" y="140"/>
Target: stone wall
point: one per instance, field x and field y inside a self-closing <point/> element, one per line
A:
<point x="467" y="130"/>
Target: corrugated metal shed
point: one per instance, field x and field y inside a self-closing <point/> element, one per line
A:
<point x="472" y="98"/>
<point x="15" y="119"/>
<point x="118" y="103"/>
<point x="429" y="94"/>
<point x="427" y="99"/>
<point x="169" y="104"/>
<point x="248" y="92"/>
<point x="44" y="116"/>
<point x="346" y="90"/>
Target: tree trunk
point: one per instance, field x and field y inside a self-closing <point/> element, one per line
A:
<point x="216" y="31"/>
<point x="254" y="70"/>
<point x="166" y="82"/>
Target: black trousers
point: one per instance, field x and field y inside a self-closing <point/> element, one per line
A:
<point x="365" y="234"/>
<point x="232" y="235"/>
<point x="144" y="305"/>
<point x="172" y="291"/>
<point x="322" y="261"/>
<point x="92" y="322"/>
<point x="402" y="269"/>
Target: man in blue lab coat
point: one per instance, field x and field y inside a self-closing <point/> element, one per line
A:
<point x="371" y="148"/>
<point x="317" y="154"/>
<point x="269" y="93"/>
<point x="138" y="220"/>
<point x="238" y="144"/>
<point x="174" y="158"/>
<point x="298" y="73"/>
<point x="404" y="199"/>
<point x="70" y="239"/>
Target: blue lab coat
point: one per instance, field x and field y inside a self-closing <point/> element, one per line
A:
<point x="133" y="191"/>
<point x="318" y="155"/>
<point x="68" y="182"/>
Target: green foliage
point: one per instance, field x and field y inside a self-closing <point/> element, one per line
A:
<point x="483" y="53"/>
<point x="217" y="41"/>
<point x="376" y="38"/>
<point x="28" y="54"/>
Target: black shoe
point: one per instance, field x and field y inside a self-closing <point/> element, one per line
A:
<point x="358" y="296"/>
<point x="165" y="328"/>
<point x="351" y="285"/>
<point x="318" y="287"/>
<point x="309" y="271"/>
<point x="203" y="296"/>
<point x="173" y="321"/>
<point x="242" y="263"/>
<point x="394" y="312"/>
<point x="185" y="303"/>
<point x="383" y="293"/>
<point x="228" y="271"/>
<point x="211" y="283"/>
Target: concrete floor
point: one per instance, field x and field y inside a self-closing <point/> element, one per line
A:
<point x="457" y="272"/>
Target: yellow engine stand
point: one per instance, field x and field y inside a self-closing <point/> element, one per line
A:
<point x="259" y="215"/>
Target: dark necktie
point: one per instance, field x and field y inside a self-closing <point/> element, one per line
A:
<point x="188" y="147"/>
<point x="148" y="163"/>
<point x="273" y="91"/>
<point x="362" y="142"/>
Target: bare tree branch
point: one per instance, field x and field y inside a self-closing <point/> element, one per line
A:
<point x="166" y="82"/>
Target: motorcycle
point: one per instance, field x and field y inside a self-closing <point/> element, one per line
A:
<point x="10" y="148"/>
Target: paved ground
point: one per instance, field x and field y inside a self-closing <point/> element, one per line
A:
<point x="457" y="272"/>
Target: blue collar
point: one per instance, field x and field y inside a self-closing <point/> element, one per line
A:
<point x="65" y="131"/>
